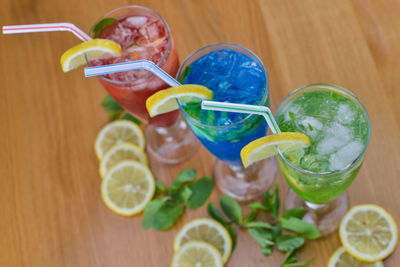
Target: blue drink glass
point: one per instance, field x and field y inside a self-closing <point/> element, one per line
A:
<point x="236" y="75"/>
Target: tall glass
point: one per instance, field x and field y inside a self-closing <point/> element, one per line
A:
<point x="235" y="74"/>
<point x="144" y="34"/>
<point x="339" y="128"/>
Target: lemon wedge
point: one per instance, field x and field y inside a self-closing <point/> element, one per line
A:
<point x="93" y="49"/>
<point x="266" y="146"/>
<point x="340" y="258"/>
<point x="368" y="233"/>
<point x="127" y="188"/>
<point x="195" y="254"/>
<point x="165" y="100"/>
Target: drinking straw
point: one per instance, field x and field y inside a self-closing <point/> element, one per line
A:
<point x="47" y="27"/>
<point x="243" y="108"/>
<point x="133" y="65"/>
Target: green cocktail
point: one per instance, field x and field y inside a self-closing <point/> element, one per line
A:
<point x="339" y="129"/>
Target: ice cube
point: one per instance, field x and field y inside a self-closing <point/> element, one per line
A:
<point x="136" y="21"/>
<point x="335" y="137"/>
<point x="312" y="125"/>
<point x="345" y="114"/>
<point x="153" y="30"/>
<point x="346" y="155"/>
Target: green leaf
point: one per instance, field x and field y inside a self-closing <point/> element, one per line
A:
<point x="288" y="242"/>
<point x="160" y="187"/>
<point x="296" y="225"/>
<point x="149" y="212"/>
<point x="299" y="263"/>
<point x="166" y="216"/>
<point x="250" y="217"/>
<point x="216" y="214"/>
<point x="185" y="194"/>
<point x="231" y="209"/>
<point x="289" y="257"/>
<point x="266" y="251"/>
<point x="185" y="74"/>
<point x="296" y="212"/>
<point x="275" y="202"/>
<point x="101" y="25"/>
<point x="267" y="197"/>
<point x="114" y="114"/>
<point x="258" y="224"/>
<point x="110" y="104"/>
<point x="256" y="205"/>
<point x="232" y="234"/>
<point x="183" y="177"/>
<point x="261" y="236"/>
<point x="129" y="117"/>
<point x="201" y="190"/>
<point x="276" y="231"/>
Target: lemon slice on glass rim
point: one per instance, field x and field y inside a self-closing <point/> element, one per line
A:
<point x="93" y="49"/>
<point x="266" y="146"/>
<point x="368" y="233"/>
<point x="165" y="100"/>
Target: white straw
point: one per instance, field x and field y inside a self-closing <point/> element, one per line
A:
<point x="134" y="65"/>
<point x="47" y="27"/>
<point x="243" y="108"/>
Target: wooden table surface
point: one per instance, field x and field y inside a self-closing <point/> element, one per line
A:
<point x="51" y="211"/>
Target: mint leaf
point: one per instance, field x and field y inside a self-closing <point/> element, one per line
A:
<point x="266" y="251"/>
<point x="276" y="231"/>
<point x="268" y="201"/>
<point x="256" y="205"/>
<point x="289" y="257"/>
<point x="129" y="117"/>
<point x="185" y="194"/>
<point x="296" y="225"/>
<point x="201" y="190"/>
<point x="258" y="224"/>
<point x="160" y="187"/>
<point x="183" y="177"/>
<point x="231" y="209"/>
<point x="296" y="212"/>
<point x="149" y="212"/>
<point x="166" y="216"/>
<point x="110" y="104"/>
<point x="275" y="202"/>
<point x="261" y="236"/>
<point x="215" y="214"/>
<point x="288" y="242"/>
<point x="250" y="217"/>
<point x="101" y="25"/>
<point x="299" y="263"/>
<point x="185" y="74"/>
<point x="232" y="234"/>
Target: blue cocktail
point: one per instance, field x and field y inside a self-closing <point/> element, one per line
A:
<point x="235" y="75"/>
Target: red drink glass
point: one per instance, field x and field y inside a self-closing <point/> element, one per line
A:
<point x="144" y="34"/>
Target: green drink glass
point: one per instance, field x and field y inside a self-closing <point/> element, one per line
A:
<point x="339" y="129"/>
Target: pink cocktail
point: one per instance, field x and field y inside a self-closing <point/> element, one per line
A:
<point x="143" y="34"/>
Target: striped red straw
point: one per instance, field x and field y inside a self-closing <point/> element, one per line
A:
<point x="47" y="27"/>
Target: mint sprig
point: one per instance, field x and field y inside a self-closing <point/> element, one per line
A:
<point x="116" y="111"/>
<point x="286" y="233"/>
<point x="170" y="203"/>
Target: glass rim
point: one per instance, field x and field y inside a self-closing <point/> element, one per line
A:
<point x="363" y="109"/>
<point x="249" y="116"/>
<point x="163" y="58"/>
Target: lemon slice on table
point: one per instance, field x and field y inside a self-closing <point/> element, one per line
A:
<point x="121" y="152"/>
<point x="266" y="146"/>
<point x="117" y="132"/>
<point x="195" y="254"/>
<point x="93" y="49"/>
<point x="206" y="230"/>
<point x="368" y="233"/>
<point x="340" y="258"/>
<point x="165" y="100"/>
<point x="127" y="188"/>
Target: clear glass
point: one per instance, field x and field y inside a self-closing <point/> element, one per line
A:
<point x="226" y="141"/>
<point x="322" y="193"/>
<point x="168" y="138"/>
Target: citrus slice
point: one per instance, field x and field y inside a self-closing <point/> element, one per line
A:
<point x="96" y="48"/>
<point x="266" y="146"/>
<point x="340" y="258"/>
<point x="121" y="152"/>
<point x="165" y="100"/>
<point x="117" y="132"/>
<point x="127" y="188"/>
<point x="368" y="233"/>
<point x="195" y="254"/>
<point x="206" y="230"/>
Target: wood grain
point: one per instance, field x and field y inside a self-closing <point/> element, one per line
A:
<point x="51" y="211"/>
